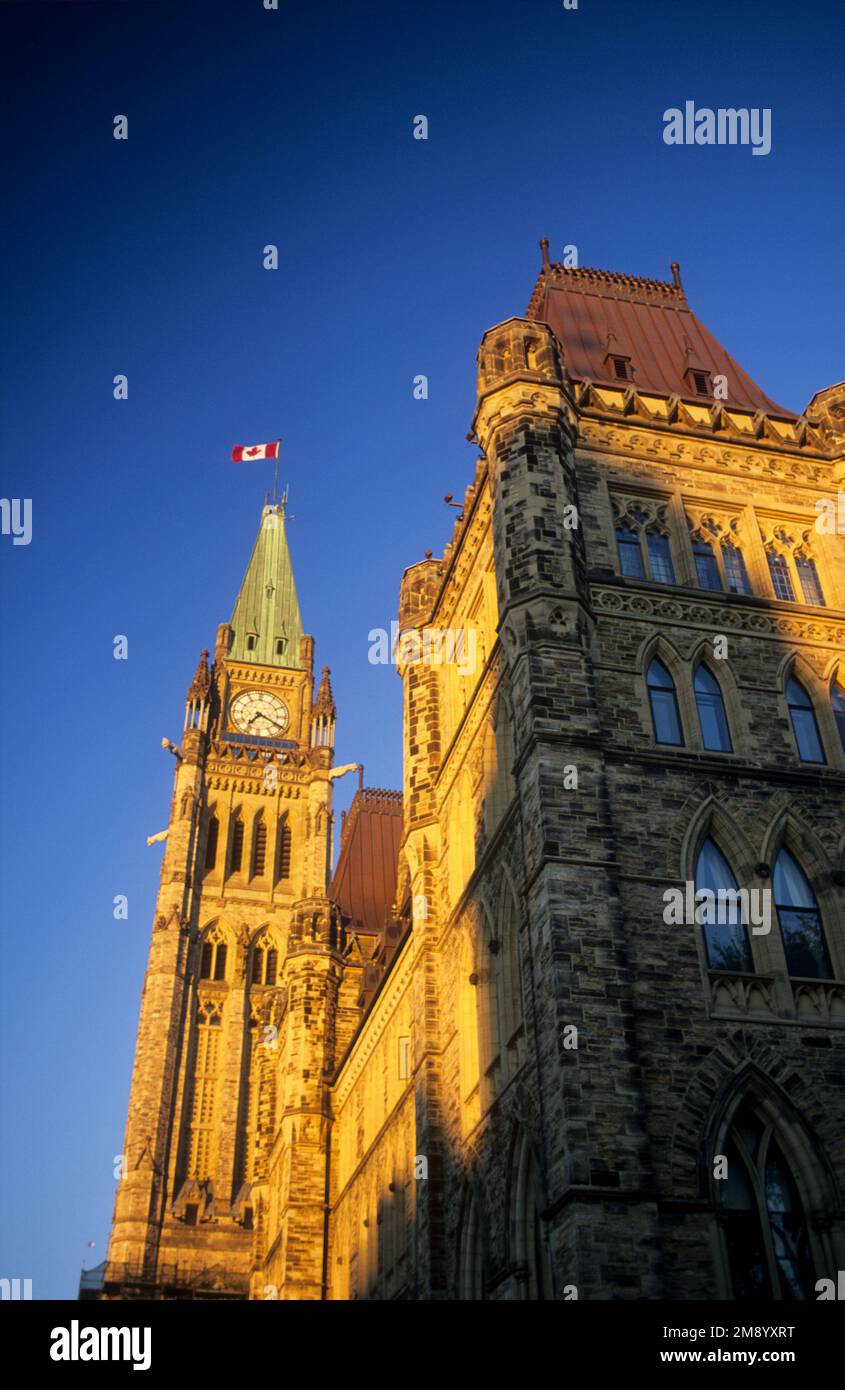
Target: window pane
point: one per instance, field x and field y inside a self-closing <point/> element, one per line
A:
<point x="664" y="705"/>
<point x="211" y="844"/>
<point x="800" y="921"/>
<point x="743" y="1230"/>
<point x="660" y="558"/>
<point x="705" y="566"/>
<point x="781" y="581"/>
<point x="809" y="578"/>
<point x="726" y="940"/>
<point x="220" y="963"/>
<point x="630" y="553"/>
<point x="791" y="885"/>
<point x="837" y="700"/>
<point x="715" y="734"/>
<point x="789" y="1233"/>
<point x="735" y="571"/>
<point x="659" y="676"/>
<point x="804" y="725"/>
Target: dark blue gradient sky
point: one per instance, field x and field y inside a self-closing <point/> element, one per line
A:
<point x="248" y="127"/>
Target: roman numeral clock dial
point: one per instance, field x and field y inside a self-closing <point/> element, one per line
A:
<point x="256" y="712"/>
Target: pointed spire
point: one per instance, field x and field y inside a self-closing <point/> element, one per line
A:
<point x="324" y="704"/>
<point x="324" y="714"/>
<point x="200" y="685"/>
<point x="266" y="624"/>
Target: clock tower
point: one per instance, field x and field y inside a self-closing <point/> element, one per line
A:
<point x="221" y="1181"/>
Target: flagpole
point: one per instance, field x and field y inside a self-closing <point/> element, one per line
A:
<point x="276" y="472"/>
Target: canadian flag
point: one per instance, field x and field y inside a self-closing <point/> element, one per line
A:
<point x="246" y="453"/>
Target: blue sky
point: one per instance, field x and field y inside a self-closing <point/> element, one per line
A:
<point x="144" y="257"/>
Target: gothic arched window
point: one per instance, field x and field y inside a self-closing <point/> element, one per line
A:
<point x="664" y="704"/>
<point x="809" y="579"/>
<point x="837" y="700"/>
<point x="706" y="566"/>
<point x="213" y="961"/>
<point x="630" y="553"/>
<point x="800" y="921"/>
<point x="736" y="574"/>
<point x="804" y="725"/>
<point x="780" y="576"/>
<point x="660" y="557"/>
<point x="765" y="1230"/>
<point x="725" y="934"/>
<point x="715" y="733"/>
<point x="265" y="959"/>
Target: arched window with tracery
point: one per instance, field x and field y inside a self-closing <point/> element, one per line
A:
<point x="763" y="1221"/>
<point x="725" y="935"/>
<point x="736" y="573"/>
<point x="800" y="921"/>
<point x="213" y="955"/>
<point x="265" y="961"/>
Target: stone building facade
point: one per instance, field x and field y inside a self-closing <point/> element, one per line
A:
<point x="524" y="1061"/>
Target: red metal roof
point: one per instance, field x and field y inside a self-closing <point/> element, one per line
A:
<point x="364" y="883"/>
<point x="596" y="312"/>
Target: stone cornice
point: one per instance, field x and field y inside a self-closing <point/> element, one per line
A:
<point x="775" y="620"/>
<point x="683" y="447"/>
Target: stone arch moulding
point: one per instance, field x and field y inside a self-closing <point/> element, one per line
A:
<point x="713" y="820"/>
<point x="723" y="1078"/>
<point x="658" y="644"/>
<point x="795" y="833"/>
<point x="798" y="1126"/>
<point x="796" y="664"/>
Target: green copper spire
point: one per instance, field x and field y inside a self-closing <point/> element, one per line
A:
<point x="266" y="623"/>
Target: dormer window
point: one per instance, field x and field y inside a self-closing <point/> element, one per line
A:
<point x="697" y="378"/>
<point x="281" y="643"/>
<point x="250" y="642"/>
<point x="621" y="367"/>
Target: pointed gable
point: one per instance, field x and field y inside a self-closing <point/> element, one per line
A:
<point x="266" y="624"/>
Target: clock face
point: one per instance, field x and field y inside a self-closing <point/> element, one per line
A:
<point x="256" y="712"/>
